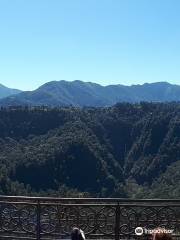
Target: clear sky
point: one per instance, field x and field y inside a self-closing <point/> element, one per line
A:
<point x="104" y="41"/>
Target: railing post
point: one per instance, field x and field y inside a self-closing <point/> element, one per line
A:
<point x="117" y="222"/>
<point x="38" y="221"/>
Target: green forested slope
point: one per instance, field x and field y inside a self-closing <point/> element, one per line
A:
<point x="121" y="151"/>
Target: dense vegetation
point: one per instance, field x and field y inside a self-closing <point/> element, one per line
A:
<point x="128" y="150"/>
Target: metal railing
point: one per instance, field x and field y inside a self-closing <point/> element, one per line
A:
<point x="53" y="218"/>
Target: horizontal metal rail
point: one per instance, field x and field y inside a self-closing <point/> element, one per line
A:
<point x="127" y="200"/>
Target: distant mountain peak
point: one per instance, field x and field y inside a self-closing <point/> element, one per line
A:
<point x="158" y="83"/>
<point x="79" y="93"/>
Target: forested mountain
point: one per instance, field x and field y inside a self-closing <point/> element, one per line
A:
<point x="127" y="150"/>
<point x="5" y="91"/>
<point x="78" y="93"/>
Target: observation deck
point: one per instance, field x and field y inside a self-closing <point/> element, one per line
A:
<point x="100" y="218"/>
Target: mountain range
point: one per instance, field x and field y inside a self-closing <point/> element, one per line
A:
<point x="79" y="93"/>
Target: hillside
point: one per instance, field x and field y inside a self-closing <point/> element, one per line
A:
<point x="121" y="151"/>
<point x="78" y="93"/>
<point x="6" y="92"/>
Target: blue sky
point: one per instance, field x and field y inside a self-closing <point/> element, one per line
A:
<point x="104" y="41"/>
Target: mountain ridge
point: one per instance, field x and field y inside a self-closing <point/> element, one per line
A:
<point x="79" y="93"/>
<point x="6" y="91"/>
